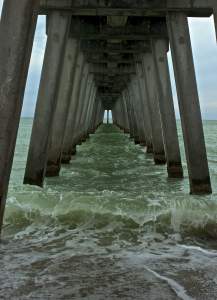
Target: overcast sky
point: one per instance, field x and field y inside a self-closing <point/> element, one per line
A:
<point x="205" y="57"/>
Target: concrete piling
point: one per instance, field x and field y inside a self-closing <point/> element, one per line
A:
<point x="129" y="113"/>
<point x="126" y="117"/>
<point x="91" y="128"/>
<point x="67" y="141"/>
<point x="76" y="137"/>
<point x="121" y="115"/>
<point x="152" y="97"/>
<point x="47" y="98"/>
<point x="136" y="134"/>
<point x="17" y="28"/>
<point x="91" y="109"/>
<point x="189" y="106"/>
<point x="138" y="111"/>
<point x="61" y="112"/>
<point x="166" y="107"/>
<point x="80" y="131"/>
<point x="144" y="107"/>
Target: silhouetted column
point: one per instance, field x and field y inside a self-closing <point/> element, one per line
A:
<point x="46" y="102"/>
<point x="144" y="108"/>
<point x="107" y="116"/>
<point x="67" y="151"/>
<point x="189" y="103"/>
<point x="17" y="29"/>
<point x="166" y="106"/>
<point x="62" y="109"/>
<point x="152" y="97"/>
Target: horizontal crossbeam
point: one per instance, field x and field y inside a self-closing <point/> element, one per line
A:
<point x="196" y="8"/>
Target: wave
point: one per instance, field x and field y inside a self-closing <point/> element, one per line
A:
<point x="108" y="211"/>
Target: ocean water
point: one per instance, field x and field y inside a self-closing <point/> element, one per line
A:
<point x="112" y="226"/>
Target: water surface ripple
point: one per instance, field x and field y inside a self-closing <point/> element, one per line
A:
<point x="112" y="226"/>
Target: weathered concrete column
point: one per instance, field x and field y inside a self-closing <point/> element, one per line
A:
<point x="81" y="127"/>
<point x="133" y="133"/>
<point x="139" y="111"/>
<point x="129" y="112"/>
<point x="145" y="108"/>
<point x="153" y="94"/>
<point x="76" y="139"/>
<point x="98" y="114"/>
<point x="96" y="121"/>
<point x="115" y="114"/>
<point x="166" y="106"/>
<point x="62" y="108"/>
<point x="189" y="103"/>
<point x="86" y="114"/>
<point x="101" y="116"/>
<point x="17" y="29"/>
<point x="92" y="128"/>
<point x="133" y="114"/>
<point x="90" y="109"/>
<point x="67" y="151"/>
<point x="126" y="117"/>
<point x="119" y="115"/>
<point x="122" y="115"/>
<point x="47" y="98"/>
<point x="114" y="119"/>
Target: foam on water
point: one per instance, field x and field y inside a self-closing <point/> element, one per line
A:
<point x="111" y="215"/>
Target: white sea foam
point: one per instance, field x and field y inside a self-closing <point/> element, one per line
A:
<point x="175" y="286"/>
<point x="197" y="248"/>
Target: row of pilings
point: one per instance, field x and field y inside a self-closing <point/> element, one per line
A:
<point x="82" y="77"/>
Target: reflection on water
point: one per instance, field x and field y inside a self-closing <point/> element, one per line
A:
<point x="112" y="226"/>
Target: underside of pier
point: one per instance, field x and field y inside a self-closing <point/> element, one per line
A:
<point x="102" y="55"/>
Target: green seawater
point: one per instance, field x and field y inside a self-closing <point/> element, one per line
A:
<point x="112" y="226"/>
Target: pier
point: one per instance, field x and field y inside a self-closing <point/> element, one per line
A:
<point x="101" y="56"/>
